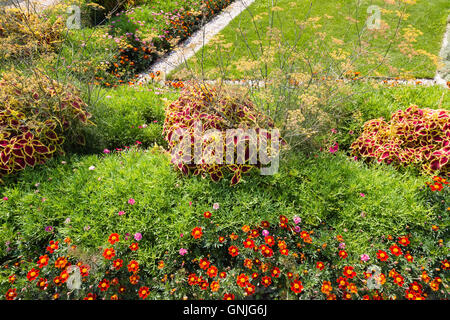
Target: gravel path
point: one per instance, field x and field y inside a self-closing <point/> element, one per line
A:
<point x="200" y="38"/>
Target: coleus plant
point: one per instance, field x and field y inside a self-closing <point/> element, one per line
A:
<point x="201" y="109"/>
<point x="37" y="112"/>
<point x="414" y="136"/>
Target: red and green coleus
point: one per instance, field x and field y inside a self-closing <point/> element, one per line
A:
<point x="412" y="136"/>
<point x="201" y="110"/>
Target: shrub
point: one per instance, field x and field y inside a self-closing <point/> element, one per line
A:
<point x="413" y="136"/>
<point x="23" y="34"/>
<point x="215" y="111"/>
<point x="37" y="115"/>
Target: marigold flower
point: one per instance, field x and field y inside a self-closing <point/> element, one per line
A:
<point x="215" y="286"/>
<point x="113" y="238"/>
<point x="103" y="285"/>
<point x="11" y="294"/>
<point x="12" y="278"/>
<point x="90" y="296"/>
<point x="144" y="292"/>
<point x="296" y="286"/>
<point x="249" y="243"/>
<point x="53" y="245"/>
<point x="32" y="274"/>
<point x="109" y="253"/>
<point x="326" y="287"/>
<point x="403" y="240"/>
<point x="43" y="261"/>
<point x="42" y="284"/>
<point x="395" y="250"/>
<point x="133" y="266"/>
<point x="134" y="246"/>
<point x="207" y="214"/>
<point x="197" y="232"/>
<point x="233" y="251"/>
<point x="228" y="296"/>
<point x="343" y="254"/>
<point x="275" y="272"/>
<point x="192" y="279"/>
<point x="242" y="280"/>
<point x="204" y="263"/>
<point x="61" y="263"/>
<point x="212" y="271"/>
<point x="269" y="240"/>
<point x="134" y="279"/>
<point x="320" y="265"/>
<point x="382" y="255"/>
<point x="266" y="281"/>
<point x="117" y="264"/>
<point x="250" y="289"/>
<point x="348" y="272"/>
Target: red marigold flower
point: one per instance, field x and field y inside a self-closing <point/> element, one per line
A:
<point x="203" y="284"/>
<point x="284" y="251"/>
<point x="114" y="297"/>
<point x="113" y="238"/>
<point x="242" y="280"/>
<point x="416" y="287"/>
<point x="395" y="250"/>
<point x="11" y="294"/>
<point x="64" y="276"/>
<point x="221" y="239"/>
<point x="276" y="272"/>
<point x="90" y="296"/>
<point x="266" y="281"/>
<point x="445" y="264"/>
<point x="348" y="272"/>
<point x="109" y="253"/>
<point x="250" y="289"/>
<point x="398" y="279"/>
<point x="57" y="281"/>
<point x="320" y="265"/>
<point x="382" y="255"/>
<point x="212" y="271"/>
<point x="248" y="263"/>
<point x="43" y="261"/>
<point x="249" y="243"/>
<point x="103" y="285"/>
<point x="266" y="251"/>
<point x="403" y="241"/>
<point x="255" y="275"/>
<point x="134" y="246"/>
<point x="53" y="245"/>
<point x="296" y="286"/>
<point x="283" y="219"/>
<point x="228" y="296"/>
<point x="204" y="263"/>
<point x="409" y="257"/>
<point x="33" y="274"/>
<point x="254" y="233"/>
<point x="265" y="224"/>
<point x="233" y="251"/>
<point x="223" y="275"/>
<point x="134" y="279"/>
<point x="144" y="292"/>
<point x="117" y="264"/>
<point x="290" y="275"/>
<point x="192" y="279"/>
<point x="133" y="266"/>
<point x="207" y="214"/>
<point x="343" y="254"/>
<point x="197" y="232"/>
<point x="42" y="283"/>
<point x="12" y="278"/>
<point x="269" y="240"/>
<point x="342" y="282"/>
<point x="84" y="270"/>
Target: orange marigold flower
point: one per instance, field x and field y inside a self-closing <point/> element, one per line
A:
<point x="246" y="228"/>
<point x="42" y="283"/>
<point x="215" y="286"/>
<point x="445" y="264"/>
<point x="160" y="264"/>
<point x="197" y="232"/>
<point x="248" y="263"/>
<point x="134" y="279"/>
<point x="133" y="266"/>
<point x="113" y="238"/>
<point x="61" y="263"/>
<point x="326" y="287"/>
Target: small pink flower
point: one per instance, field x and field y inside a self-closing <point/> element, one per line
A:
<point x="183" y="251"/>
<point x="265" y="233"/>
<point x="342" y="245"/>
<point x="5" y="198"/>
<point x="121" y="213"/>
<point x="181" y="235"/>
<point x="131" y="201"/>
<point x="106" y="151"/>
<point x="365" y="257"/>
<point x="297" y="220"/>
<point x="333" y="130"/>
<point x="137" y="236"/>
<point x="215" y="206"/>
<point x="334" y="148"/>
<point x="190" y="203"/>
<point x="362" y="195"/>
<point x="297" y="229"/>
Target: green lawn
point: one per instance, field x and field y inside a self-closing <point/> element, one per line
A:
<point x="419" y="36"/>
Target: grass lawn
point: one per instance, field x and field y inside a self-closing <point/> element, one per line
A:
<point x="416" y="37"/>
